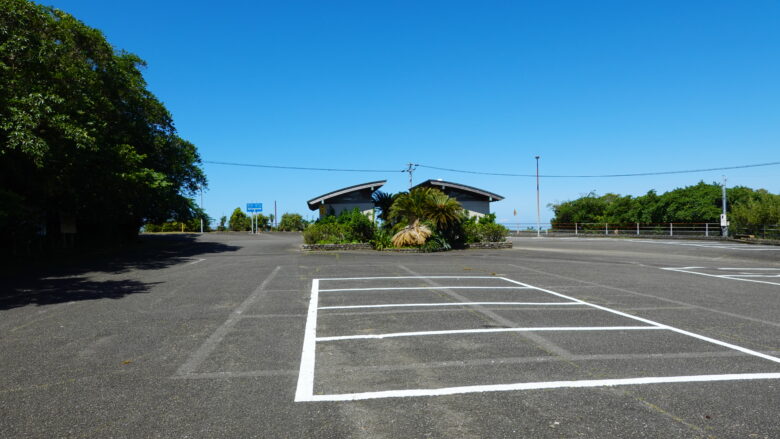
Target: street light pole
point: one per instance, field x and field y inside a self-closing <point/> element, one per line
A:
<point x="538" y="212"/>
<point x="201" y="210"/>
<point x="724" y="222"/>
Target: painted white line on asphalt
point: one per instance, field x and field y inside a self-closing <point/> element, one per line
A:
<point x="486" y="330"/>
<point x="216" y="337"/>
<point x="409" y="277"/>
<point x="422" y="288"/>
<point x="719" y="276"/>
<point x="751" y="269"/>
<point x="400" y="305"/>
<point x="305" y="387"/>
<point x="196" y="261"/>
<point x="541" y="385"/>
<point x="661" y="325"/>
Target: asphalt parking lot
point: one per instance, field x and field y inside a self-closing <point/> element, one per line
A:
<point x="230" y="335"/>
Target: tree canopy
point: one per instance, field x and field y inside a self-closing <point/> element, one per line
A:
<point x="698" y="203"/>
<point x="83" y="142"/>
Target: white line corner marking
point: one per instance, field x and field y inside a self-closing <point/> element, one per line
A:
<point x="305" y="388"/>
<point x="690" y="270"/>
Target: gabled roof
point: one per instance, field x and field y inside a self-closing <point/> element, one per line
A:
<point x="315" y="202"/>
<point x="461" y="187"/>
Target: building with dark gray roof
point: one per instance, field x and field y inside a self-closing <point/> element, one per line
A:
<point x="348" y="198"/>
<point x="474" y="200"/>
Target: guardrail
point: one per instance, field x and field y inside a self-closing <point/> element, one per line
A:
<point x="643" y="229"/>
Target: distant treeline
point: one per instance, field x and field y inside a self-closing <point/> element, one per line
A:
<point x="692" y="204"/>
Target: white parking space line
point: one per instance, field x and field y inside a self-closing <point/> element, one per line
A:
<point x="743" y="278"/>
<point x="305" y="388"/>
<point x="415" y="305"/>
<point x="405" y="277"/>
<point x="714" y="245"/>
<point x="484" y="330"/>
<point x="423" y="288"/>
<point x="542" y="385"/>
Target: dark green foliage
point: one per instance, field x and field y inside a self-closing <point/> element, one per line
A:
<point x="384" y="201"/>
<point x="698" y="203"/>
<point x="763" y="208"/>
<point x="484" y="229"/>
<point x="263" y="222"/>
<point x="291" y="222"/>
<point x="382" y="239"/>
<point x="351" y="226"/>
<point x="436" y="243"/>
<point x="82" y="140"/>
<point x="325" y="233"/>
<point x="222" y="221"/>
<point x="239" y="221"/>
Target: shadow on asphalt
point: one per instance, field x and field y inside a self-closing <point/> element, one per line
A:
<point x="65" y="280"/>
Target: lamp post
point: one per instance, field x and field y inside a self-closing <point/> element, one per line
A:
<point x="538" y="212"/>
<point x="201" y="210"/>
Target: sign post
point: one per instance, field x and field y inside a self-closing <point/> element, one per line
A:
<point x="254" y="208"/>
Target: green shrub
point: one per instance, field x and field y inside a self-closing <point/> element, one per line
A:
<point x="324" y="233"/>
<point x="436" y="243"/>
<point x="382" y="239"/>
<point x="484" y="229"/>
<point x="493" y="232"/>
<point x="290" y="222"/>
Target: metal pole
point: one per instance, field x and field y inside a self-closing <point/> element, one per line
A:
<point x="724" y="222"/>
<point x="706" y="229"/>
<point x="637" y="229"/>
<point x="575" y="229"/>
<point x="538" y="211"/>
<point x="671" y="229"/>
<point x="412" y="167"/>
<point x="201" y="210"/>
<point x="276" y="218"/>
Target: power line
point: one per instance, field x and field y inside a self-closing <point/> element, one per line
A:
<point x="299" y="168"/>
<point x="640" y="174"/>
<point x="500" y="174"/>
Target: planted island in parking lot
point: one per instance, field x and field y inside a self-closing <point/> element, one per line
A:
<point x="423" y="219"/>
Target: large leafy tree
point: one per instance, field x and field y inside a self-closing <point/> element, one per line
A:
<point x="82" y="140"/>
<point x="701" y="202"/>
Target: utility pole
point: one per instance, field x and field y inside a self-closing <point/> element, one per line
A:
<point x="410" y="170"/>
<point x="201" y="210"/>
<point x="724" y="222"/>
<point x="276" y="219"/>
<point x="538" y="211"/>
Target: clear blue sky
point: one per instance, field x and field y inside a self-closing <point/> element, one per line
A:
<point x="593" y="87"/>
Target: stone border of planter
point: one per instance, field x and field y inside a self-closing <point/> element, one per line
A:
<point x="327" y="247"/>
<point x="489" y="245"/>
<point x="364" y="246"/>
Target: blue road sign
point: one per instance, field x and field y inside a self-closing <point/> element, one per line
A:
<point x="254" y="207"/>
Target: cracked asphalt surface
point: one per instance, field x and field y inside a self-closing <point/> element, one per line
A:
<point x="202" y="337"/>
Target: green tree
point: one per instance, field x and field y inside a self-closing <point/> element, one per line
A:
<point x="239" y="221"/>
<point x="384" y="201"/>
<point x="81" y="138"/>
<point x="222" y="221"/>
<point x="763" y="208"/>
<point x="290" y="222"/>
<point x="424" y="204"/>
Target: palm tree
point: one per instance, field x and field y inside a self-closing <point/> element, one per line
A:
<point x="442" y="210"/>
<point x="423" y="204"/>
<point x="383" y="201"/>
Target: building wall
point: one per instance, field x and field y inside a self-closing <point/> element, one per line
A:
<point x="476" y="208"/>
<point x="366" y="208"/>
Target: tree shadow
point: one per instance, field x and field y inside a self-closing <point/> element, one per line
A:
<point x="59" y="280"/>
<point x="51" y="291"/>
